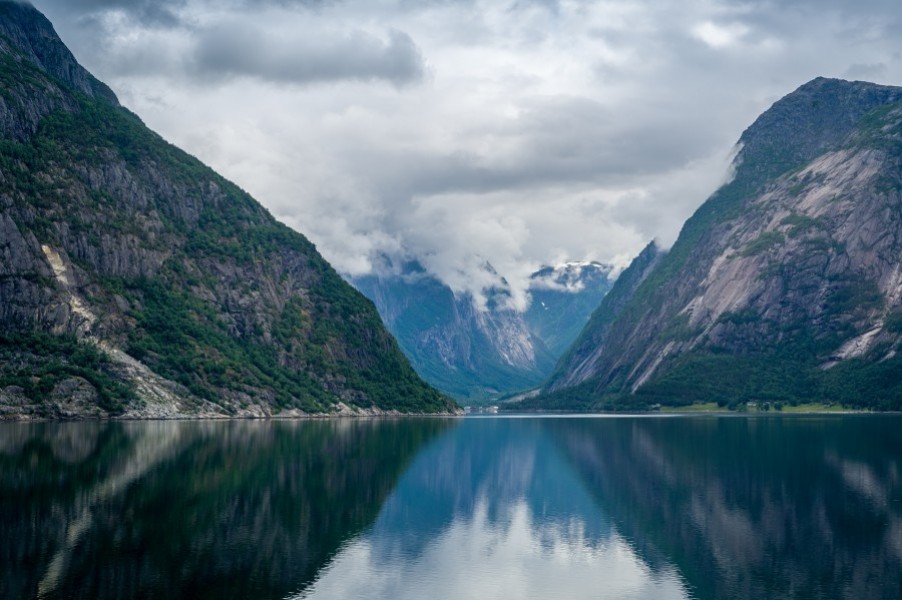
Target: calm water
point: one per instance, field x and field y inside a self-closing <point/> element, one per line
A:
<point x="680" y="507"/>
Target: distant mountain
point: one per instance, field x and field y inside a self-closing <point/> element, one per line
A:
<point x="563" y="298"/>
<point x="785" y="286"/>
<point x="135" y="281"/>
<point x="473" y="352"/>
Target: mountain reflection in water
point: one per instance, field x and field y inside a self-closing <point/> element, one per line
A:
<point x="640" y="507"/>
<point x="632" y="507"/>
<point x="766" y="507"/>
<point x="189" y="510"/>
<point x="493" y="510"/>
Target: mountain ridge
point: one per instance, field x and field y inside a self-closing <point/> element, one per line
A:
<point x="783" y="265"/>
<point x="137" y="282"/>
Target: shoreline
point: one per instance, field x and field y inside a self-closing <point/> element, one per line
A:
<point x="685" y="413"/>
<point x="187" y="418"/>
<point x="374" y="415"/>
<point x="57" y="413"/>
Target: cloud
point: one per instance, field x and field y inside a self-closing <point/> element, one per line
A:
<point x="156" y="13"/>
<point x="239" y="49"/>
<point x="866" y="71"/>
<point x="174" y="40"/>
<point x="517" y="133"/>
<point x="720" y="35"/>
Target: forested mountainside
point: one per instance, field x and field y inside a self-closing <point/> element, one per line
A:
<point x="137" y="282"/>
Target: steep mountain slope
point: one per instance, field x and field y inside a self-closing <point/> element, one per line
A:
<point x="589" y="345"/>
<point x="474" y="352"/>
<point x="785" y="285"/>
<point x="135" y="281"/>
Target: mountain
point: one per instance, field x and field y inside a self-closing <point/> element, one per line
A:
<point x="562" y="300"/>
<point x="473" y="352"/>
<point x="468" y="351"/>
<point x="784" y="286"/>
<point x="136" y="282"/>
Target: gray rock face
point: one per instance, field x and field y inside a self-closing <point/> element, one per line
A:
<point x="563" y="298"/>
<point x="794" y="262"/>
<point x="589" y="347"/>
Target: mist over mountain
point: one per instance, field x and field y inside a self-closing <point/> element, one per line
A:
<point x="478" y="347"/>
<point x="562" y="298"/>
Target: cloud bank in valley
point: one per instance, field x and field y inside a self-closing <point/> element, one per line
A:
<point x="516" y="132"/>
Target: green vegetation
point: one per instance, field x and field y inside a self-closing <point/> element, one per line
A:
<point x="799" y="224"/>
<point x="222" y="298"/>
<point x="50" y="359"/>
<point x="813" y="407"/>
<point x="734" y="381"/>
<point x="743" y="317"/>
<point x="763" y="243"/>
<point x="581" y="398"/>
<point x="730" y="381"/>
<point x="678" y="329"/>
<point x="184" y="339"/>
<point x="694" y="408"/>
<point x="701" y="382"/>
<point x="893" y="322"/>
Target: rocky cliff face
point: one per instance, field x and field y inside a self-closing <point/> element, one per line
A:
<point x="474" y="352"/>
<point x="135" y="281"/>
<point x="785" y="285"/>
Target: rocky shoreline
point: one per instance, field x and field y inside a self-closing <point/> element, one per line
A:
<point x="76" y="400"/>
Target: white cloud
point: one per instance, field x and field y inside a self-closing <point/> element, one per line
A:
<point x="475" y="558"/>
<point x="720" y="35"/>
<point x="517" y="133"/>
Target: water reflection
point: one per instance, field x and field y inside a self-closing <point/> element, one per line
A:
<point x="239" y="509"/>
<point x="805" y="507"/>
<point x="493" y="510"/>
<point x="783" y="507"/>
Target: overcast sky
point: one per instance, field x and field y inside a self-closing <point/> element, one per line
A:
<point x="518" y="132"/>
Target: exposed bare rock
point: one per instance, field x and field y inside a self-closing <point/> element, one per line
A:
<point x="784" y="286"/>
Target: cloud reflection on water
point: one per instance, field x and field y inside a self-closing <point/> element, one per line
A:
<point x="492" y="510"/>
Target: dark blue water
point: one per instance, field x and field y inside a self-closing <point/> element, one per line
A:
<point x="630" y="507"/>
